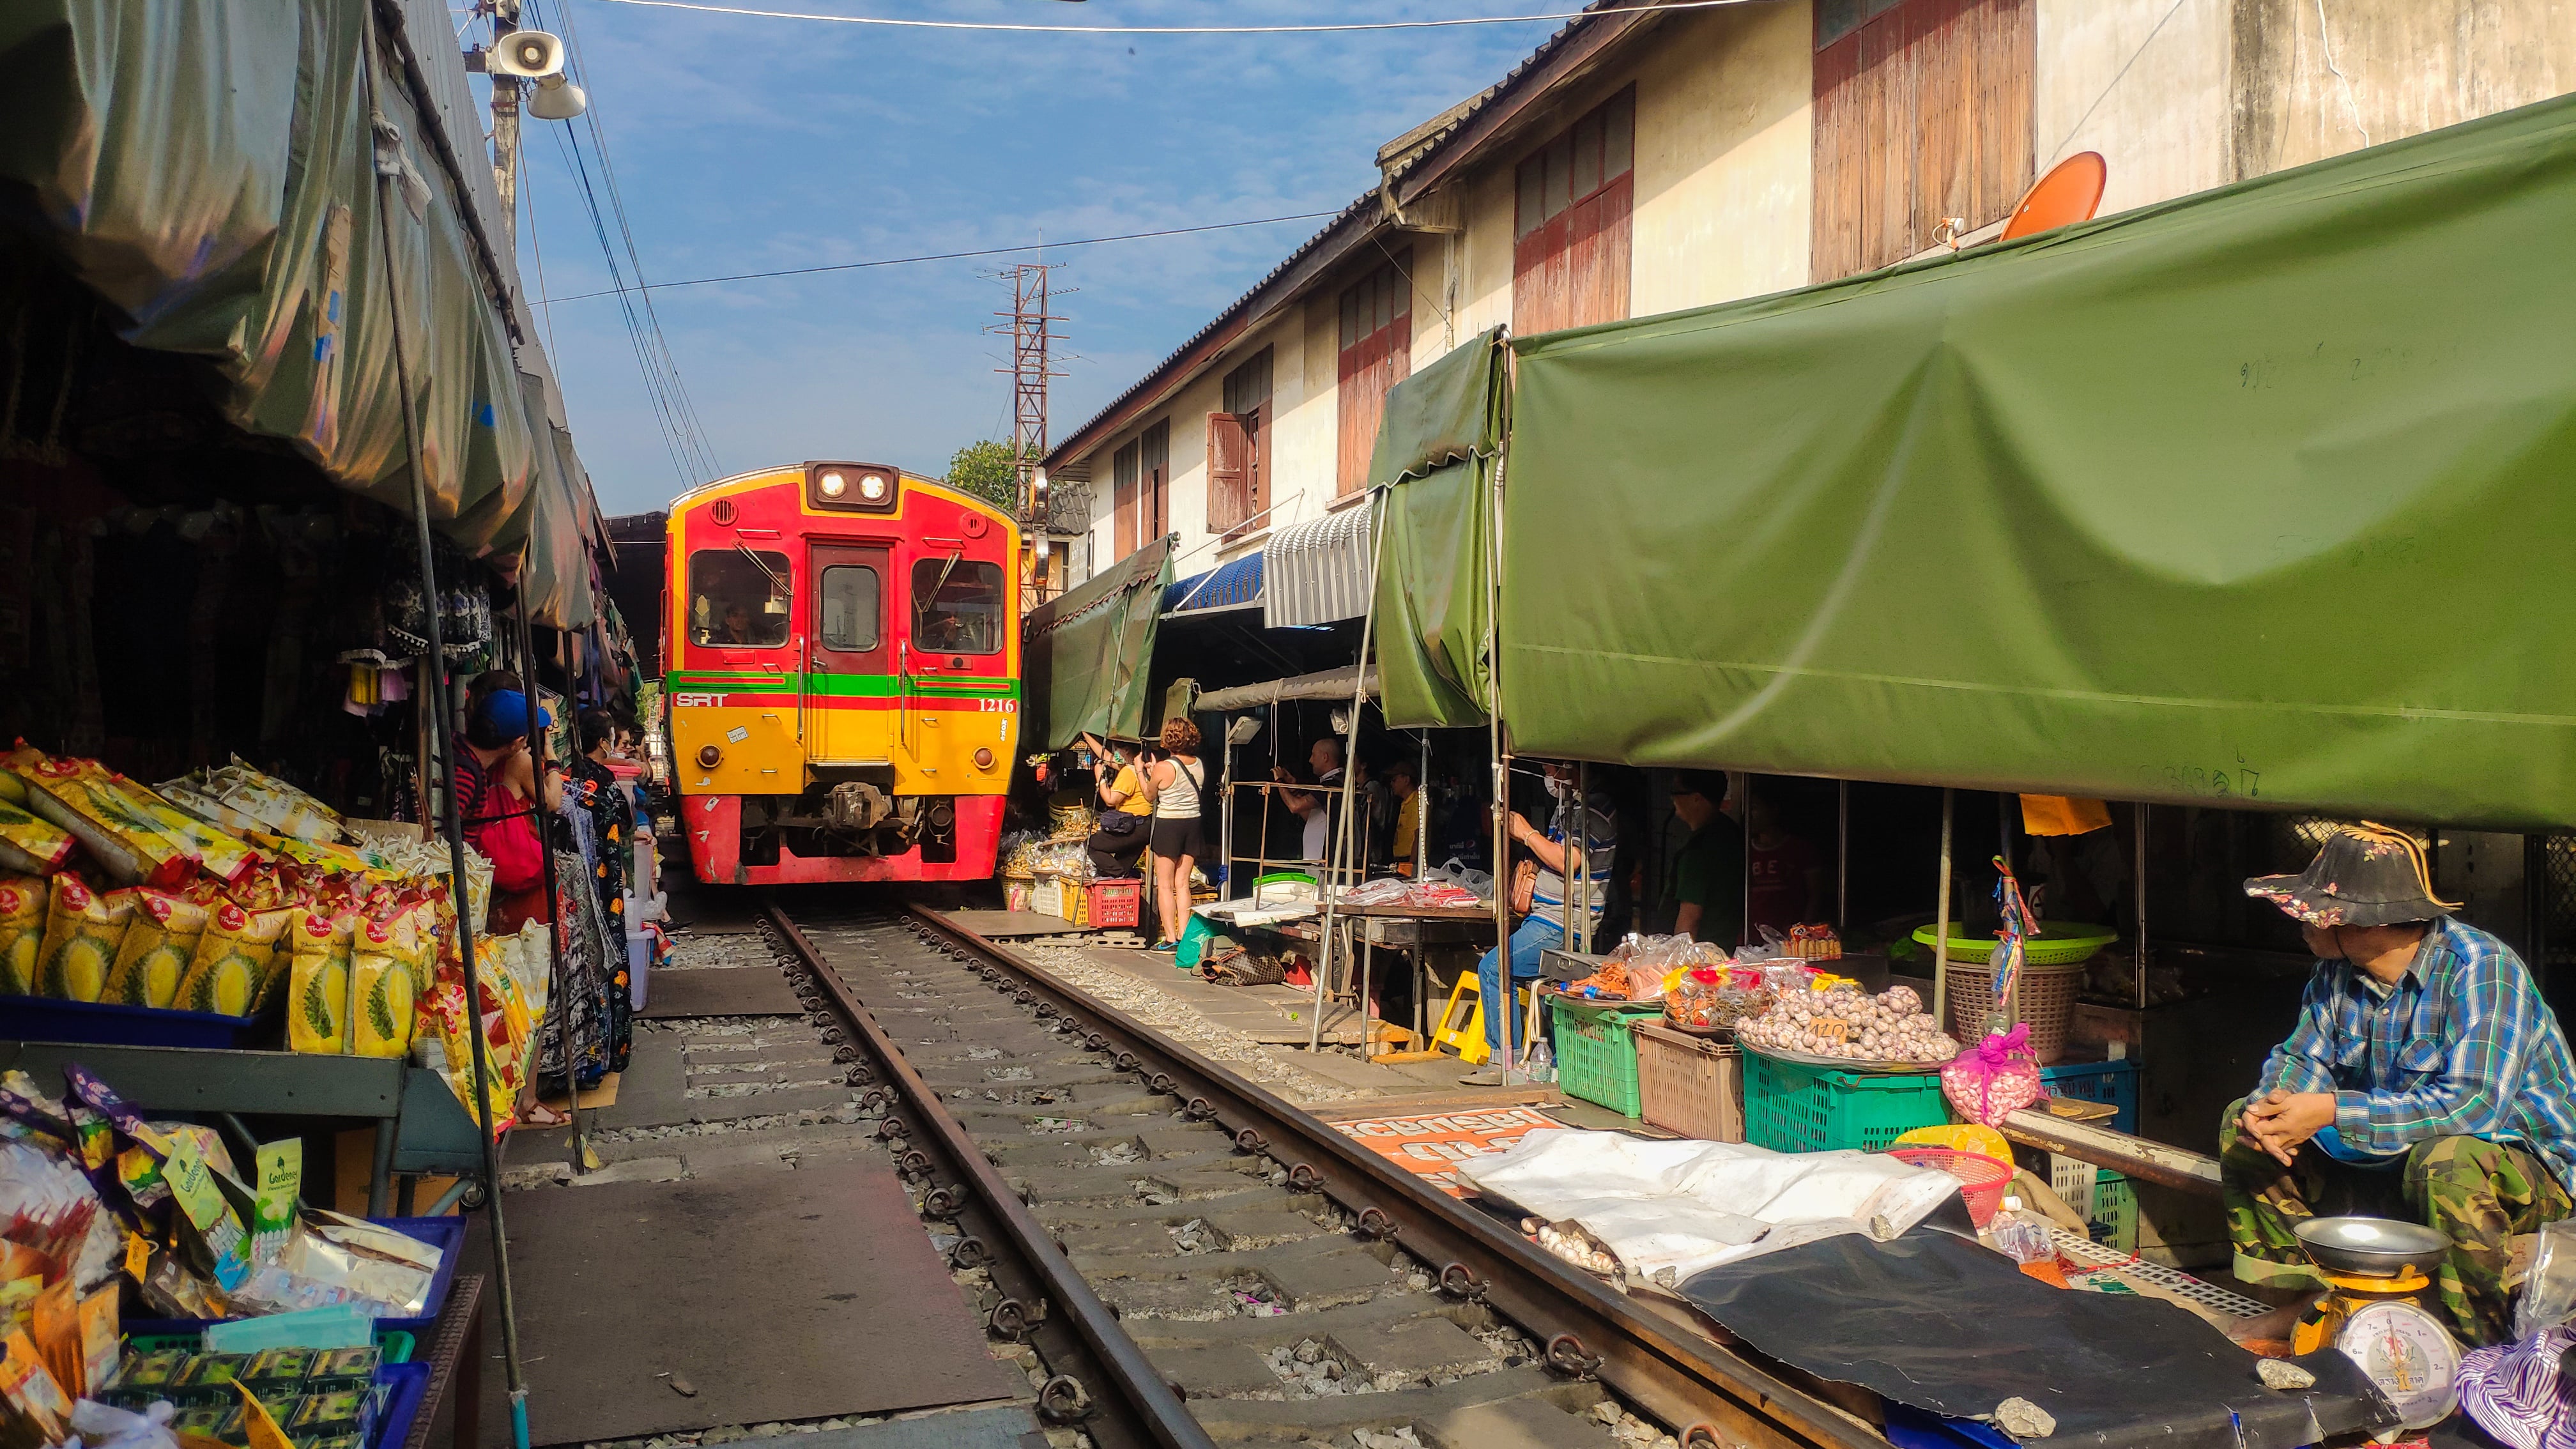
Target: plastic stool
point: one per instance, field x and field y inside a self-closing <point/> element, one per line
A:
<point x="1468" y="1040"/>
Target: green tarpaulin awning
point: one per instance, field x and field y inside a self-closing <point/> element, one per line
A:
<point x="1086" y="652"/>
<point x="2263" y="497"/>
<point x="209" y="169"/>
<point x="1435" y="455"/>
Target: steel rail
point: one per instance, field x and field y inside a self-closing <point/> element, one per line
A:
<point x="1711" y="1396"/>
<point x="1130" y="1375"/>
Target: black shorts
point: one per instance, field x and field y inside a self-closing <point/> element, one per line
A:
<point x="1176" y="838"/>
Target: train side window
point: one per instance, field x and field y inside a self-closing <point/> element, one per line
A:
<point x="738" y="597"/>
<point x="957" y="606"/>
<point x="852" y="618"/>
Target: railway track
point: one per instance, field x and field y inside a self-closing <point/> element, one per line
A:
<point x="1190" y="1261"/>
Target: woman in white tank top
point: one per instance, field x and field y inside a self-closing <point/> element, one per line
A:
<point x="1172" y="783"/>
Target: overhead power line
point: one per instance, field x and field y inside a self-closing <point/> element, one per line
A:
<point x="1309" y="29"/>
<point x="1088" y="241"/>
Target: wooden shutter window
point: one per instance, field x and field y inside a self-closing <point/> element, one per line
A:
<point x="1156" y="448"/>
<point x="1376" y="354"/>
<point x="1123" y="501"/>
<point x="1229" y="466"/>
<point x="1571" y="238"/>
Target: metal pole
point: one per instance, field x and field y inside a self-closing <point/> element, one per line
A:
<point x="1941" y="927"/>
<point x="539" y="746"/>
<point x="2140" y="906"/>
<point x="1499" y="736"/>
<point x="1842" y="857"/>
<point x="1340" y="846"/>
<point x="386" y="211"/>
<point x="1421" y="865"/>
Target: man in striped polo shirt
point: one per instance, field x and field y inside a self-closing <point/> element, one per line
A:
<point x="2426" y="1080"/>
<point x="1543" y="928"/>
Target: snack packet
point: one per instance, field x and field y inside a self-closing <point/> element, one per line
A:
<point x="29" y="846"/>
<point x="117" y="829"/>
<point x="318" y="980"/>
<point x="384" y="985"/>
<point x="160" y="945"/>
<point x="235" y="961"/>
<point x="83" y="930"/>
<point x="22" y="933"/>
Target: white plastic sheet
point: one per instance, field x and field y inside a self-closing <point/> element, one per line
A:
<point x="1685" y="1206"/>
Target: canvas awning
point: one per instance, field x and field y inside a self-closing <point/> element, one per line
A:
<point x="1086" y="651"/>
<point x="1435" y="456"/>
<point x="1323" y="684"/>
<point x="209" y="170"/>
<point x="2258" y="497"/>
<point x="1318" y="570"/>
<point x="1233" y="585"/>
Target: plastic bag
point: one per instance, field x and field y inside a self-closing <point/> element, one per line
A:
<point x="1457" y="873"/>
<point x="22" y="933"/>
<point x="29" y="846"/>
<point x="2549" y="1293"/>
<point x="236" y="959"/>
<point x="83" y="930"/>
<point x="1994" y="1080"/>
<point x="159" y="947"/>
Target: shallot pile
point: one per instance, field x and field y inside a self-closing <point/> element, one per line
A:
<point x="1843" y="1022"/>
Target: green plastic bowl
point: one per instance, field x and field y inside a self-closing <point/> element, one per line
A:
<point x="2059" y="943"/>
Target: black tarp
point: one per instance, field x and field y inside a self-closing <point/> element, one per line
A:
<point x="1937" y="1322"/>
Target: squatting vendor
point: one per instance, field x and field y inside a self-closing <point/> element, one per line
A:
<point x="2426" y="1080"/>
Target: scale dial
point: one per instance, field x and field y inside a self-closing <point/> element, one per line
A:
<point x="2410" y="1355"/>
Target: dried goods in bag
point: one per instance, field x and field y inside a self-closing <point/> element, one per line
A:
<point x="29" y="846"/>
<point x="320" y="949"/>
<point x="159" y="946"/>
<point x="83" y="929"/>
<point x="118" y="831"/>
<point x="236" y="959"/>
<point x="22" y="933"/>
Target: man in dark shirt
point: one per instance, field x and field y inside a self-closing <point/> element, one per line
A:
<point x="1708" y="874"/>
<point x="1788" y="873"/>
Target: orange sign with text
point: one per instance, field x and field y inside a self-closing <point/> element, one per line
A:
<point x="1433" y="1145"/>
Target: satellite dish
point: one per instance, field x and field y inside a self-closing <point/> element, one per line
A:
<point x="2069" y="193"/>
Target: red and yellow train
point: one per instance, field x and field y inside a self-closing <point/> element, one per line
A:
<point x="841" y="670"/>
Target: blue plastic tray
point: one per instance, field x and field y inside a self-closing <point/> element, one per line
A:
<point x="102" y="1023"/>
<point x="409" y="1383"/>
<point x="447" y="1233"/>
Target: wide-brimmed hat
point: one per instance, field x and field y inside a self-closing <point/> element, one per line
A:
<point x="2364" y="875"/>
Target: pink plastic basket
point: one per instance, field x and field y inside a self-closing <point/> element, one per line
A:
<point x="1982" y="1180"/>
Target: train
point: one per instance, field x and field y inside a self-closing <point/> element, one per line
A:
<point x="841" y="675"/>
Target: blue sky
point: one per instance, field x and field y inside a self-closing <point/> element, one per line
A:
<point x="745" y="144"/>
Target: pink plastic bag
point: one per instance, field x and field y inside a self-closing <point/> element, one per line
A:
<point x="1996" y="1079"/>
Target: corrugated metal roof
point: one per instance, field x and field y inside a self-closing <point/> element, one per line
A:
<point x="1233" y="585"/>
<point x="1319" y="571"/>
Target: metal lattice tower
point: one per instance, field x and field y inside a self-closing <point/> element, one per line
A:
<point x="1032" y="331"/>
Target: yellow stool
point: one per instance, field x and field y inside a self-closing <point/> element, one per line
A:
<point x="1468" y="1039"/>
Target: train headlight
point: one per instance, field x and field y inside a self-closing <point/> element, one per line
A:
<point x="833" y="485"/>
<point x="983" y="759"/>
<point x="708" y="755"/>
<point x="872" y="487"/>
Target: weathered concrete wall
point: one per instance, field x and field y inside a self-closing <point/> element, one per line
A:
<point x="2398" y="68"/>
<point x="1725" y="156"/>
<point x="2143" y="82"/>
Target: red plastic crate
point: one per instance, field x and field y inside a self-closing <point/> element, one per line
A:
<point x="1115" y="903"/>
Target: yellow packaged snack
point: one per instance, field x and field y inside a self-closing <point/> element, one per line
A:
<point x="95" y="805"/>
<point x="29" y="846"/>
<point x="159" y="947"/>
<point x="235" y="960"/>
<point x="22" y="932"/>
<point x="384" y="1019"/>
<point x="83" y="929"/>
<point x="404" y="939"/>
<point x="317" y="980"/>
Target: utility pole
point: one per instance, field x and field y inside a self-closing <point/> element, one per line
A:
<point x="505" y="124"/>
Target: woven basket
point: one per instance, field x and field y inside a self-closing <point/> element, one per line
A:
<point x="2043" y="997"/>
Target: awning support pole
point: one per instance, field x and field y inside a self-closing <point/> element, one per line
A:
<point x="1842" y="857"/>
<point x="1338" y="852"/>
<point x="439" y="701"/>
<point x="2139" y="850"/>
<point x="1941" y="928"/>
<point x="1500" y="739"/>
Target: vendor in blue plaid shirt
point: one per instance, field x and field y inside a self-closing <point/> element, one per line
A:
<point x="2426" y="1080"/>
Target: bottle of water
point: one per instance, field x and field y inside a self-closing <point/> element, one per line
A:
<point x="1541" y="1065"/>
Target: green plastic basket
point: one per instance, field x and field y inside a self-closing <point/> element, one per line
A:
<point x="393" y="1344"/>
<point x="1596" y="1053"/>
<point x="1789" y="1107"/>
<point x="2115" y="1212"/>
<point x="2064" y="943"/>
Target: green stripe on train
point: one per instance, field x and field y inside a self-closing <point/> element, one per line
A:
<point x="855" y="686"/>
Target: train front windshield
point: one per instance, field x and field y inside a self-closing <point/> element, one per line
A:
<point x="957" y="606"/>
<point x="739" y="597"/>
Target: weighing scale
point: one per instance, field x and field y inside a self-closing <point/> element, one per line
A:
<point x="2378" y="1311"/>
